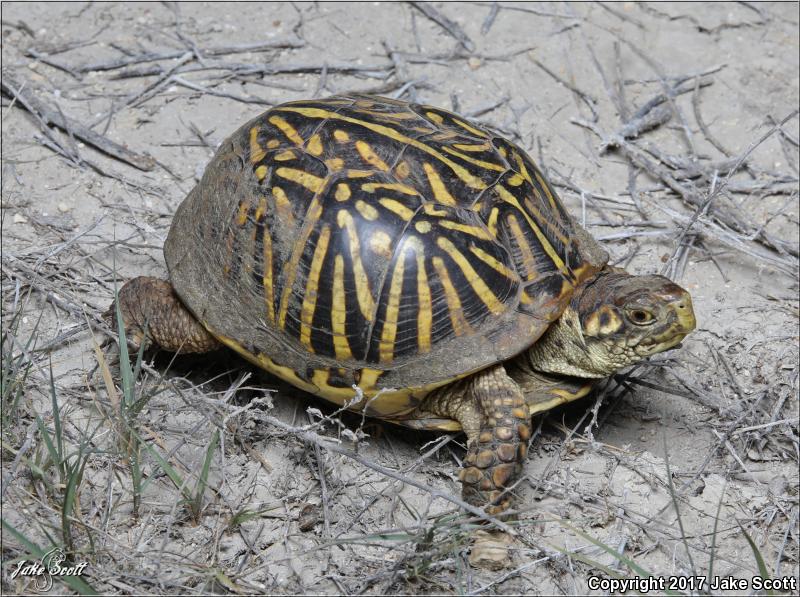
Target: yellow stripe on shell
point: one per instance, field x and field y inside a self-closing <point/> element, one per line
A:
<point x="440" y="192"/>
<point x="423" y="226"/>
<point x="287" y="129"/>
<point x="314" y="146"/>
<point x="341" y="345"/>
<point x="522" y="169"/>
<point x="371" y="187"/>
<point x="334" y="164"/>
<point x="431" y="210"/>
<point x="515" y="179"/>
<point x="312" y="217"/>
<point x="257" y="153"/>
<point x="397" y="208"/>
<point x="342" y="192"/>
<point x="241" y="216"/>
<point x="546" y="189"/>
<point x="273" y="144"/>
<point x="262" y="208"/>
<point x="402" y="170"/>
<point x="266" y="280"/>
<point x="381" y="244"/>
<point x="312" y="287"/>
<point x="462" y="173"/>
<point x="341" y="136"/>
<point x="367" y="211"/>
<point x="470" y="128"/>
<point x="425" y="307"/>
<point x="389" y="331"/>
<point x="473" y="278"/>
<point x="303" y="178"/>
<point x="363" y="293"/>
<point x="354" y="173"/>
<point x="457" y="319"/>
<point x="470" y="147"/>
<point x="283" y="206"/>
<point x="506" y="196"/>
<point x="261" y="173"/>
<point x="497" y="266"/>
<point x="285" y="156"/>
<point x="475" y="231"/>
<point x="528" y="260"/>
<point x="369" y="156"/>
<point x="437" y="118"/>
<point x="547" y="220"/>
<point x="492" y="223"/>
<point x="482" y="163"/>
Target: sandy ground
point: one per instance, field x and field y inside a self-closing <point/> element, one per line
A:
<point x="666" y="471"/>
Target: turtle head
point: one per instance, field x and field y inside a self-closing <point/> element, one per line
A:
<point x="614" y="320"/>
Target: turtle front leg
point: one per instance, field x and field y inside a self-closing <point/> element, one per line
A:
<point x="491" y="409"/>
<point x="153" y="314"/>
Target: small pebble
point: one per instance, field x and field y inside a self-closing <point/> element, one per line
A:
<point x="20" y="219"/>
<point x="63" y="207"/>
<point x="474" y="63"/>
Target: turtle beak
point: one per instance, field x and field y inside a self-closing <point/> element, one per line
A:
<point x="677" y="305"/>
<point x="678" y="302"/>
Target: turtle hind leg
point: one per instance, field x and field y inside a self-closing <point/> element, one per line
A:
<point x="491" y="408"/>
<point x="153" y="314"/>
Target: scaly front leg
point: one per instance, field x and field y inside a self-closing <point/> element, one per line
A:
<point x="491" y="409"/>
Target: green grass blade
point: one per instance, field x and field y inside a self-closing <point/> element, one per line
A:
<point x="170" y="471"/>
<point x="57" y="423"/>
<point x="70" y="495"/>
<point x="124" y="356"/>
<point x="762" y="566"/>
<point x="202" y="482"/>
<point x="51" y="449"/>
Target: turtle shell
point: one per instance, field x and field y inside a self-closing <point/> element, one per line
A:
<point x="363" y="241"/>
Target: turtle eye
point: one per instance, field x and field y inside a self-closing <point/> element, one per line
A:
<point x="640" y="316"/>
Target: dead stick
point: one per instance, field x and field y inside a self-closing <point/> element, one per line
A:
<point x="54" y="117"/>
<point x="221" y="51"/>
<point x="452" y="28"/>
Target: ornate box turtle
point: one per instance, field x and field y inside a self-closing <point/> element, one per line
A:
<point x="400" y="248"/>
